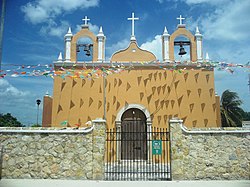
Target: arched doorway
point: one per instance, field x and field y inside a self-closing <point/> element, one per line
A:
<point x="133" y="135"/>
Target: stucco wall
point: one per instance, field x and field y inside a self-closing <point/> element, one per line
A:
<point x="209" y="154"/>
<point x="53" y="153"/>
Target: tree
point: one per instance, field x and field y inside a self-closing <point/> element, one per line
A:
<point x="7" y="120"/>
<point x="231" y="113"/>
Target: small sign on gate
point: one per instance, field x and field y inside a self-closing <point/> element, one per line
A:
<point x="156" y="147"/>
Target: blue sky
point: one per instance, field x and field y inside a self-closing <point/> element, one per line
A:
<point x="34" y="31"/>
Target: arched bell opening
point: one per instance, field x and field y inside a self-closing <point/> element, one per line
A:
<point x="84" y="49"/>
<point x="182" y="49"/>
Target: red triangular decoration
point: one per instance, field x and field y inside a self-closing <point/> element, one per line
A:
<point x="99" y="104"/>
<point x="160" y="75"/>
<point x="166" y="103"/>
<point x="165" y="75"/>
<point x="153" y="89"/>
<point x="108" y="106"/>
<point x="72" y="104"/>
<point x="81" y="103"/>
<point x="92" y="82"/>
<point x="185" y="77"/>
<point x="159" y="119"/>
<point x="74" y="83"/>
<point x="156" y="103"/>
<point x="159" y="90"/>
<point x="191" y="107"/>
<point x="196" y="76"/>
<point x="150" y="76"/>
<point x="90" y="101"/>
<point x="149" y="98"/>
<point x="207" y="77"/>
<point x="115" y="82"/>
<point x="118" y="105"/>
<point x="83" y="82"/>
<point x="194" y="123"/>
<point x="141" y="95"/>
<point x="114" y="99"/>
<point x="211" y="91"/>
<point x="205" y="122"/>
<point x="188" y="92"/>
<point x="176" y="84"/>
<point x="155" y="75"/>
<point x="164" y="88"/>
<point x="199" y="92"/>
<point x="172" y="103"/>
<point x="59" y="109"/>
<point x="128" y="86"/>
<point x="120" y="82"/>
<point x="203" y="106"/>
<point x="62" y="86"/>
<point x="180" y="100"/>
<point x="145" y="82"/>
<point x="139" y="80"/>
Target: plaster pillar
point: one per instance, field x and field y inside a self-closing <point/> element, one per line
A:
<point x="165" y="45"/>
<point x="67" y="39"/>
<point x="198" y="37"/>
<point x="101" y="46"/>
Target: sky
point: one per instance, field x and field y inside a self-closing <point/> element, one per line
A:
<point x="34" y="34"/>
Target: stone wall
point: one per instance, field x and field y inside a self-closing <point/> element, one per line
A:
<point x="53" y="153"/>
<point x="211" y="154"/>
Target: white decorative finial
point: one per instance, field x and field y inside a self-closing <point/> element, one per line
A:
<point x="69" y="31"/>
<point x="197" y="30"/>
<point x="100" y="31"/>
<point x="47" y="93"/>
<point x="207" y="57"/>
<point x="59" y="59"/>
<point x="180" y="18"/>
<point x="100" y="34"/>
<point x="165" y="30"/>
<point x="133" y="25"/>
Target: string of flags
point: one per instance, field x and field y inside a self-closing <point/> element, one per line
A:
<point x="47" y="70"/>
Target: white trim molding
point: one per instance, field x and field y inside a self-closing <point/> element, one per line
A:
<point x="129" y="106"/>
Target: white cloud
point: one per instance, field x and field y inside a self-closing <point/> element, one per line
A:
<point x="9" y="91"/>
<point x="154" y="46"/>
<point x="41" y="11"/>
<point x="212" y="2"/>
<point x="228" y="22"/>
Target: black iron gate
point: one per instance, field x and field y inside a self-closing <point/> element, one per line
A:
<point x="132" y="153"/>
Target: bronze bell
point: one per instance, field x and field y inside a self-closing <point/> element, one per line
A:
<point x="88" y="53"/>
<point x="77" y="49"/>
<point x="182" y="50"/>
<point x="86" y="47"/>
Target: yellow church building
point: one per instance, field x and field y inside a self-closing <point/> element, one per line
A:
<point x="133" y="86"/>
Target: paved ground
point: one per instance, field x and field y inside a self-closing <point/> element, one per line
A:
<point x="79" y="183"/>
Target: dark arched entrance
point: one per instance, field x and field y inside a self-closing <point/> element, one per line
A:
<point x="133" y="135"/>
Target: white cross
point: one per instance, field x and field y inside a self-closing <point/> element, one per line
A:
<point x="133" y="23"/>
<point x="86" y="19"/>
<point x="180" y="18"/>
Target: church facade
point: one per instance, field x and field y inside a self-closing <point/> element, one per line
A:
<point x="133" y="85"/>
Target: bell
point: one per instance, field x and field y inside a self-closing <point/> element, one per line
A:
<point x="86" y="47"/>
<point x="182" y="51"/>
<point x="88" y="53"/>
<point x="77" y="49"/>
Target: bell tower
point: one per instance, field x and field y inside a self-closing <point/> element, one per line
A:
<point x="193" y="41"/>
<point x="84" y="43"/>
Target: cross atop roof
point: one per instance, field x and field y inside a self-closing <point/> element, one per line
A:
<point x="86" y="19"/>
<point x="133" y="25"/>
<point x="180" y="18"/>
